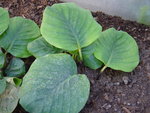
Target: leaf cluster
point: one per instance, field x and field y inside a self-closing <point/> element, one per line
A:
<point x="67" y="32"/>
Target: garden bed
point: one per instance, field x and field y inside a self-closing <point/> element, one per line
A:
<point x="113" y="91"/>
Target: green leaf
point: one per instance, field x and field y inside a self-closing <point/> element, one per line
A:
<point x="2" y="59"/>
<point x="40" y="47"/>
<point x="144" y="15"/>
<point x="88" y="57"/>
<point x="2" y="85"/>
<point x="21" y="31"/>
<point x="9" y="99"/>
<point x="117" y="50"/>
<point x="4" y="20"/>
<point x="69" y="27"/>
<point x="17" y="81"/>
<point x="16" y="68"/>
<point x="52" y="85"/>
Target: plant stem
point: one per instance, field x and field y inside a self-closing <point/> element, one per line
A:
<point x="80" y="54"/>
<point x="102" y="70"/>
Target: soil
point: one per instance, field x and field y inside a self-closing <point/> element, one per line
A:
<point x="114" y="91"/>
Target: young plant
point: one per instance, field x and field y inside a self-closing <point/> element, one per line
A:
<point x="69" y="27"/>
<point x="9" y="86"/>
<point x="52" y="85"/>
<point x="21" y="31"/>
<point x="15" y="34"/>
<point x="117" y="50"/>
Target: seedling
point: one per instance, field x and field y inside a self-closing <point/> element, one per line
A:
<point x="69" y="27"/>
<point x="52" y="84"/>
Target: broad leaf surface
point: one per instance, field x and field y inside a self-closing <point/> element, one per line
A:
<point x="4" y="20"/>
<point x="9" y="99"/>
<point x="16" y="68"/>
<point x="40" y="47"/>
<point x="88" y="57"/>
<point x="2" y="85"/>
<point x="20" y="32"/>
<point x="117" y="50"/>
<point x="69" y="27"/>
<point x="53" y="86"/>
<point x="2" y="59"/>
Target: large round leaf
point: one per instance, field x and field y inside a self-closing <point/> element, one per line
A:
<point x="69" y="27"/>
<point x="20" y="32"/>
<point x="4" y="20"/>
<point x="53" y="86"/>
<point x="117" y="50"/>
<point x="40" y="47"/>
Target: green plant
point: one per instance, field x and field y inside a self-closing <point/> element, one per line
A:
<point x="52" y="85"/>
<point x="15" y="34"/>
<point x="21" y="31"/>
<point x="117" y="50"/>
<point x="70" y="27"/>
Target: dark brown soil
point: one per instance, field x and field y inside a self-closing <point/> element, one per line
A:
<point x="115" y="91"/>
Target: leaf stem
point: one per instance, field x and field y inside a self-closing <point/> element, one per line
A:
<point x="80" y="54"/>
<point x="102" y="70"/>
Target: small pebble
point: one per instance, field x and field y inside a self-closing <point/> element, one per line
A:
<point x="125" y="80"/>
<point x="128" y="104"/>
<point x="117" y="83"/>
<point x="107" y="106"/>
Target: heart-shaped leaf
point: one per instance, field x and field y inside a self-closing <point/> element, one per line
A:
<point x="52" y="85"/>
<point x="117" y="50"/>
<point x="69" y="27"/>
<point x="40" y="47"/>
<point x="20" y="32"/>
<point x="9" y="99"/>
<point x="2" y="59"/>
<point x="2" y="85"/>
<point x="88" y="57"/>
<point x="4" y="20"/>
<point x="16" y="68"/>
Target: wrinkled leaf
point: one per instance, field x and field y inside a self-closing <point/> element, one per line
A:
<point x="16" y="68"/>
<point x="69" y="27"/>
<point x="20" y="32"/>
<point x="9" y="99"/>
<point x="2" y="59"/>
<point x="40" y="47"/>
<point x="2" y="85"/>
<point x="88" y="57"/>
<point x="52" y="85"/>
<point x="117" y="50"/>
<point x="4" y="20"/>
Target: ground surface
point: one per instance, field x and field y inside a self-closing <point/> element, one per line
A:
<point x="115" y="91"/>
